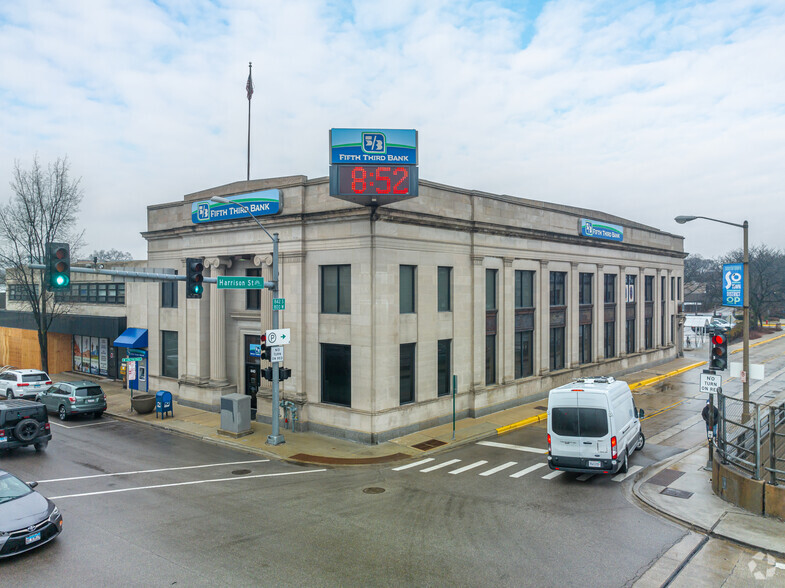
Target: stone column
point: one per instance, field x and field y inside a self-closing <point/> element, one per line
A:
<point x="544" y="326"/>
<point x="218" y="267"/>
<point x="598" y="316"/>
<point x="506" y="321"/>
<point x="621" y="313"/>
<point x="478" y="267"/>
<point x="572" y="318"/>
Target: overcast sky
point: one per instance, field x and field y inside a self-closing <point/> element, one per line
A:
<point x="646" y="110"/>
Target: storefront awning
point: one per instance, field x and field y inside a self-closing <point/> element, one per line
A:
<point x="132" y="338"/>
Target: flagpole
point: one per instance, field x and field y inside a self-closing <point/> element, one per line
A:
<point x="249" y="91"/>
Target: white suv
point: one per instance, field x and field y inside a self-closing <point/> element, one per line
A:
<point x="25" y="384"/>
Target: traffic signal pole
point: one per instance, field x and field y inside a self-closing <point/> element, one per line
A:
<point x="275" y="438"/>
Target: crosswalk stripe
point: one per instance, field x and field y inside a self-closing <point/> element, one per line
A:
<point x="552" y="475"/>
<point x="413" y="465"/>
<point x="504" y="466"/>
<point x="510" y="446"/>
<point x="536" y="466"/>
<point x="631" y="471"/>
<point x="476" y="464"/>
<point x="441" y="465"/>
<point x="584" y="477"/>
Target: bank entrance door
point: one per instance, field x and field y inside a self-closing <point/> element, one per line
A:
<point x="253" y="354"/>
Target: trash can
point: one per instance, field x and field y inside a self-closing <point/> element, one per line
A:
<point x="163" y="404"/>
<point x="235" y="415"/>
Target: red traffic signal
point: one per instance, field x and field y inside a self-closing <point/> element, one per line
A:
<point x="719" y="352"/>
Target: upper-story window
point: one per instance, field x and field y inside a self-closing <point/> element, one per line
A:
<point x="336" y="289"/>
<point x="557" y="288"/>
<point x="444" y="289"/>
<point x="584" y="288"/>
<point x="524" y="289"/>
<point x="407" y="287"/>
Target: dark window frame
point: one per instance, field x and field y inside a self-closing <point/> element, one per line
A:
<point x="253" y="296"/>
<point x="407" y="293"/>
<point x="444" y="289"/>
<point x="336" y="302"/>
<point x="558" y="288"/>
<point x="330" y="357"/>
<point x="169" y="360"/>
<point x="443" y="367"/>
<point x="407" y="357"/>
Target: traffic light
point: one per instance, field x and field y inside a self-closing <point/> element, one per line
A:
<point x="265" y="351"/>
<point x="193" y="277"/>
<point x="719" y="352"/>
<point x="58" y="266"/>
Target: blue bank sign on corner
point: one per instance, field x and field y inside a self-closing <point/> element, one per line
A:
<point x="601" y="230"/>
<point x="373" y="146"/>
<point x="261" y="203"/>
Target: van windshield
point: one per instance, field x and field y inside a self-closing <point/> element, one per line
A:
<point x="579" y="422"/>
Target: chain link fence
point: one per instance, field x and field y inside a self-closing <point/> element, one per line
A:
<point x="751" y="436"/>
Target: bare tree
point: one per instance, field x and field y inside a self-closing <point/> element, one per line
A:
<point x="43" y="208"/>
<point x="111" y="255"/>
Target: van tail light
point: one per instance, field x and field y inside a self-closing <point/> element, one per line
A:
<point x="614" y="448"/>
<point x="49" y="383"/>
<point x="22" y="384"/>
<point x="72" y="399"/>
<point x="2" y="432"/>
<point x="549" y="443"/>
<point x="46" y="426"/>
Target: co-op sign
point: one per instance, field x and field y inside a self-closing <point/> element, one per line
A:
<point x="601" y="230"/>
<point x="261" y="203"/>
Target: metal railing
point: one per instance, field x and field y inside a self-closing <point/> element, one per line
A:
<point x="751" y="436"/>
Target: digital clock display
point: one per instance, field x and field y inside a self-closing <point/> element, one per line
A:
<point x="374" y="180"/>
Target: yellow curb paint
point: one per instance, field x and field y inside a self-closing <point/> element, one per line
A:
<point x="642" y="383"/>
<point x="535" y="419"/>
<point x="740" y="349"/>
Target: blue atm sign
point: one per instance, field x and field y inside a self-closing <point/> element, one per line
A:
<point x="733" y="284"/>
<point x="261" y="203"/>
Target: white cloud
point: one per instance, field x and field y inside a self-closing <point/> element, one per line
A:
<point x="645" y="110"/>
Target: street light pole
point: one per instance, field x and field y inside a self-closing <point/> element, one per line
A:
<point x="745" y="383"/>
<point x="275" y="438"/>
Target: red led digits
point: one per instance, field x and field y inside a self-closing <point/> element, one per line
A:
<point x="397" y="189"/>
<point x="385" y="179"/>
<point x="358" y="180"/>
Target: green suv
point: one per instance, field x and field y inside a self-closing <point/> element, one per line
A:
<point x="71" y="398"/>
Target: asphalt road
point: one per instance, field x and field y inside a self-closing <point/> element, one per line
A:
<point x="147" y="507"/>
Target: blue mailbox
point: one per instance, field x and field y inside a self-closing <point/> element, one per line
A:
<point x="163" y="403"/>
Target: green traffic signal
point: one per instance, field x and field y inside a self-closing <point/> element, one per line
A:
<point x="58" y="266"/>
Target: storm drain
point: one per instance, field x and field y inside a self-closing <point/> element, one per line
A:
<point x="429" y="444"/>
<point x="541" y="408"/>
<point x="665" y="478"/>
<point x="373" y="490"/>
<point x="240" y="472"/>
<point x="676" y="493"/>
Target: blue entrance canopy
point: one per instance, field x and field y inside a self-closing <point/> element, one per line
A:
<point x="132" y="338"/>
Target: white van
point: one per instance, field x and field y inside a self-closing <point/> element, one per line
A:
<point x="593" y="426"/>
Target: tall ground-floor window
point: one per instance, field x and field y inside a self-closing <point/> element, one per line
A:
<point x="443" y="368"/>
<point x="584" y="343"/>
<point x="557" y="348"/>
<point x="524" y="354"/>
<point x="648" y="331"/>
<point x="610" y="339"/>
<point x="337" y="374"/>
<point x="407" y="373"/>
<point x="169" y="354"/>
<point x="630" y="335"/>
<point x="490" y="359"/>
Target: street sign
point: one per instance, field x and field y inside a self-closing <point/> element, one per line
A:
<point x="276" y="354"/>
<point x="279" y="303"/>
<point x="132" y="358"/>
<point x="277" y="337"/>
<point x="240" y="283"/>
<point x="732" y="284"/>
<point x="710" y="383"/>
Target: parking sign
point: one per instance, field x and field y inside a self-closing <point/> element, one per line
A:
<point x="732" y="284"/>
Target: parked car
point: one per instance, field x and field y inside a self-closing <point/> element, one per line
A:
<point x="593" y="426"/>
<point x="719" y="323"/>
<point x="24" y="384"/>
<point x="23" y="423"/>
<point x="71" y="398"/>
<point x="27" y="519"/>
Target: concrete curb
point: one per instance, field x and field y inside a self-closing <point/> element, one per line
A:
<point x="649" y="381"/>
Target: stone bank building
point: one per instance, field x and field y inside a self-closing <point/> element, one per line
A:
<point x="385" y="305"/>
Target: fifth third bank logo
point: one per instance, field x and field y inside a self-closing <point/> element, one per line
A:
<point x="374" y="143"/>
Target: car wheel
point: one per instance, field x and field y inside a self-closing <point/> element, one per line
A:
<point x="623" y="468"/>
<point x="41" y="445"/>
<point x="641" y="442"/>
<point x="98" y="415"/>
<point x="27" y="430"/>
<point x="62" y="413"/>
<point x="9" y="394"/>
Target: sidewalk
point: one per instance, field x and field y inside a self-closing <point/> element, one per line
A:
<point x="678" y="487"/>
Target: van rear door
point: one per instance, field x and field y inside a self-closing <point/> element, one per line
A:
<point x="565" y="435"/>
<point x="594" y="433"/>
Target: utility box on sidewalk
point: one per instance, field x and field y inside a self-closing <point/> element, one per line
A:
<point x="163" y="404"/>
<point x="235" y="415"/>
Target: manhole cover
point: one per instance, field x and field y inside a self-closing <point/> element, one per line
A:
<point x="373" y="490"/>
<point x="241" y="472"/>
<point x="676" y="493"/>
<point x="429" y="444"/>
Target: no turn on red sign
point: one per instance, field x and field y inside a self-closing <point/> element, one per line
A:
<point x="710" y="383"/>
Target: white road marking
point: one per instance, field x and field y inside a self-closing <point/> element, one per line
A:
<point x="528" y="470"/>
<point x="631" y="471"/>
<point x="510" y="446"/>
<point x="584" y="477"/>
<point x="504" y="466"/>
<point x="441" y="465"/>
<point x="233" y="479"/>
<point x="413" y="465"/>
<point x="553" y="475"/>
<point x="476" y="464"/>
<point x="194" y="467"/>
<point x="101" y="422"/>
